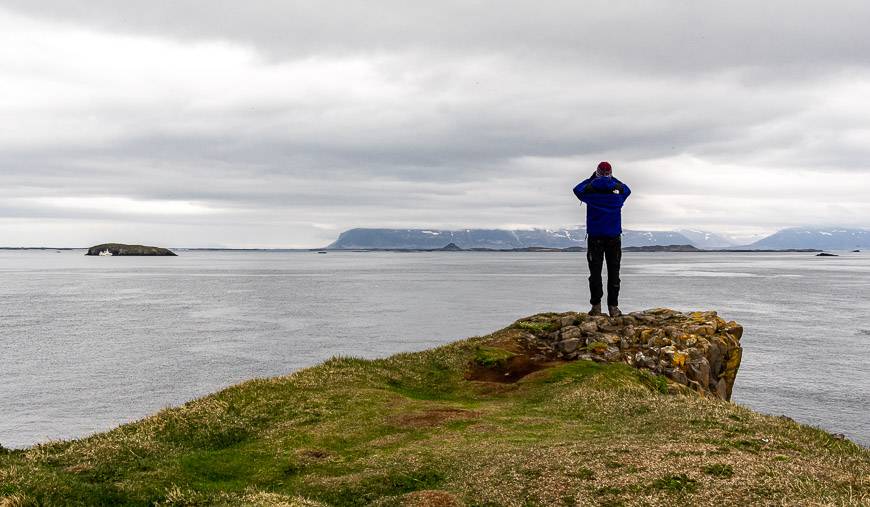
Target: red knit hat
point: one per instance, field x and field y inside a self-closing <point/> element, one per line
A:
<point x="604" y="169"/>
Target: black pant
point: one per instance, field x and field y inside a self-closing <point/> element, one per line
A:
<point x="599" y="248"/>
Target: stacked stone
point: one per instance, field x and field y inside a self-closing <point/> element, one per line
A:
<point x="698" y="349"/>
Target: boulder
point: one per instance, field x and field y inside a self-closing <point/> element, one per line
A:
<point x="612" y="339"/>
<point x="568" y="346"/>
<point x="699" y="371"/>
<point x="589" y="327"/>
<point x="571" y="332"/>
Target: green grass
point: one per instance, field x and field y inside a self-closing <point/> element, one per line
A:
<point x="719" y="470"/>
<point x="680" y="483"/>
<point x="536" y="326"/>
<point x="358" y="432"/>
<point x="490" y="357"/>
<point x="581" y="371"/>
<point x="657" y="383"/>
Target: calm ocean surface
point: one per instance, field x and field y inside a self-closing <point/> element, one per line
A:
<point x="87" y="343"/>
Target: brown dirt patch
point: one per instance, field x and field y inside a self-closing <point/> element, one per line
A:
<point x="433" y="417"/>
<point x="511" y="371"/>
<point x="514" y="368"/>
<point x="430" y="498"/>
<point x="314" y="454"/>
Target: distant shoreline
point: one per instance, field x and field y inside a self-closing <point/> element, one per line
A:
<point x="646" y="249"/>
<point x="573" y="249"/>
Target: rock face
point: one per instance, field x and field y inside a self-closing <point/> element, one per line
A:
<point x="699" y="350"/>
<point x="121" y="249"/>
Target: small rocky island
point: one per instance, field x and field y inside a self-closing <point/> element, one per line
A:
<point x="111" y="249"/>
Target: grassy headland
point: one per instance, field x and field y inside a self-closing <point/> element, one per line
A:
<point x="412" y="429"/>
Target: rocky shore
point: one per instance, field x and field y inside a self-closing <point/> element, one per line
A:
<point x="698" y="350"/>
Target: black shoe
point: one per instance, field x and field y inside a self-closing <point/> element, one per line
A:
<point x="596" y="310"/>
<point x="614" y="311"/>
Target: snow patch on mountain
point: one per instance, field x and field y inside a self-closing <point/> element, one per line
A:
<point x="797" y="237"/>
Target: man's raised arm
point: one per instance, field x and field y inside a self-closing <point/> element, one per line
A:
<point x="581" y="187"/>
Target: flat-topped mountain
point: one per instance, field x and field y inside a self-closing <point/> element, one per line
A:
<point x="122" y="249"/>
<point x="823" y="239"/>
<point x="555" y="409"/>
<point x="505" y="239"/>
<point x="496" y="239"/>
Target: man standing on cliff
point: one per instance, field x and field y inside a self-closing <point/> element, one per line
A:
<point x="604" y="196"/>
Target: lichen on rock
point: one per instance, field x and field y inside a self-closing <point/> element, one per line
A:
<point x="699" y="350"/>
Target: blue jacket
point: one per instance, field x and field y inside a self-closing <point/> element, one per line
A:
<point x="605" y="197"/>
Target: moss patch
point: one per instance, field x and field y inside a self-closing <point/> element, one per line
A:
<point x="537" y="326"/>
<point x="680" y="483"/>
<point x="492" y="357"/>
<point x="719" y="470"/>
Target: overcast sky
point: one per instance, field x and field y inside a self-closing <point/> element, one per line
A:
<point x="280" y="124"/>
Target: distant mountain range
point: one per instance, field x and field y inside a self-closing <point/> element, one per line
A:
<point x="502" y="239"/>
<point x="499" y="239"/>
<point x="705" y="239"/>
<point x="823" y="239"/>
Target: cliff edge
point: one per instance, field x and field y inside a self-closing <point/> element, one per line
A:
<point x="697" y="350"/>
<point x="555" y="409"/>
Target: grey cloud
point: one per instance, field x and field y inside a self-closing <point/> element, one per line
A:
<point x="489" y="113"/>
<point x="673" y="35"/>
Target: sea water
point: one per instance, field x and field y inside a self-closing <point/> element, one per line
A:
<point x="87" y="343"/>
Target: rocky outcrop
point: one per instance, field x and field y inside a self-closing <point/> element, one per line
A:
<point x="699" y="350"/>
<point x="450" y="247"/>
<point x="122" y="249"/>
